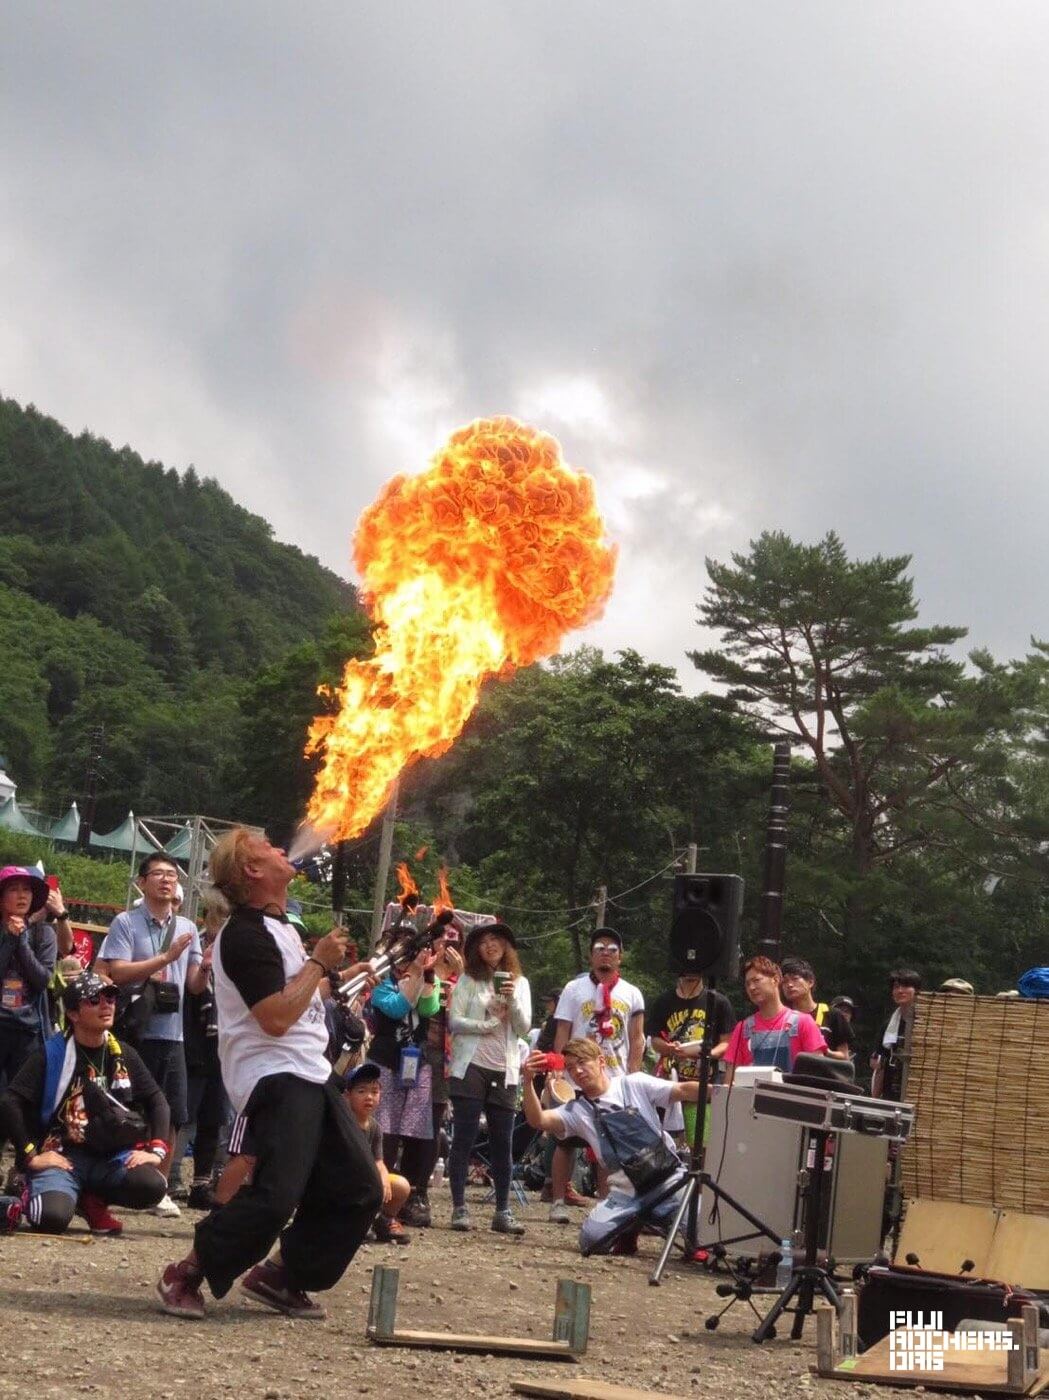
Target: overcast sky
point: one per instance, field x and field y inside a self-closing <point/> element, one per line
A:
<point x="772" y="265"/>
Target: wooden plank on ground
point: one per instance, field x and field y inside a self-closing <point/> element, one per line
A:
<point x="976" y="1371"/>
<point x="460" y="1341"/>
<point x="585" y="1390"/>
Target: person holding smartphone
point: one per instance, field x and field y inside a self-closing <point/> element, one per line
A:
<point x="491" y="1008"/>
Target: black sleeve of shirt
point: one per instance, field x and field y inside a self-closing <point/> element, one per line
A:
<point x="656" y="1020"/>
<point x="146" y="1091"/>
<point x="840" y="1035"/>
<point x="251" y="959"/>
<point x="724" y="1017"/>
<point x="20" y="1105"/>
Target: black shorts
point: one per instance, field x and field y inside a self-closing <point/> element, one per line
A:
<point x="166" y="1062"/>
<point x="486" y="1085"/>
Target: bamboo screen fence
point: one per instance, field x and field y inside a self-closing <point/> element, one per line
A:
<point x="979" y="1080"/>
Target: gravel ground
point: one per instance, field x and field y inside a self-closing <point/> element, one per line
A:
<point x="79" y="1316"/>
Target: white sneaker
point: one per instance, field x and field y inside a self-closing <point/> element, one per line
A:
<point x="560" y="1214"/>
<point x="165" y="1207"/>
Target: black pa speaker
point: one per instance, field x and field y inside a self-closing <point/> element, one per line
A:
<point x="704" y="932"/>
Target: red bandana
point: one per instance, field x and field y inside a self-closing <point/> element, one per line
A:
<point x="605" y="1029"/>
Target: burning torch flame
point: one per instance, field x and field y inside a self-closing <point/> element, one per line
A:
<point x="405" y="882"/>
<point x="478" y="565"/>
<point x="444" y="898"/>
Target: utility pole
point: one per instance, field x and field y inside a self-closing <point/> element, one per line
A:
<point x="693" y="857"/>
<point x="382" y="874"/>
<point x="87" y="821"/>
<point x="601" y="906"/>
<point x="770" y="917"/>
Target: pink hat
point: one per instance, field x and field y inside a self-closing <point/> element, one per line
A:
<point x="37" y="883"/>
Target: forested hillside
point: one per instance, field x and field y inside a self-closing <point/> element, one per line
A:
<point x="142" y="600"/>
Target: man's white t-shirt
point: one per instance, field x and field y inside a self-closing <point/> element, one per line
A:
<point x="580" y="1004"/>
<point x="644" y="1092"/>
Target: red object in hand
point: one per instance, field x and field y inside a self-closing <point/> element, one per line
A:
<point x="550" y="1062"/>
<point x="51" y="881"/>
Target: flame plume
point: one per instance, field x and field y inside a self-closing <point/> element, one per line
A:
<point x="476" y="566"/>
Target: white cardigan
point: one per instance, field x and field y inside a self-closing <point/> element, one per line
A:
<point x="468" y="1019"/>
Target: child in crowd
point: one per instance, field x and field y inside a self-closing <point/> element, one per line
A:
<point x="362" y="1093"/>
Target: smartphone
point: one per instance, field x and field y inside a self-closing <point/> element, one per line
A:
<point x="52" y="882"/>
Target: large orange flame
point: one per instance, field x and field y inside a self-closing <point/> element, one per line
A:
<point x="478" y="565"/>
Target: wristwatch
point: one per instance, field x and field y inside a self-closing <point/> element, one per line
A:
<point x="60" y="918"/>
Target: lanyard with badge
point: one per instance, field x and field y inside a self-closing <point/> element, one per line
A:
<point x="13" y="987"/>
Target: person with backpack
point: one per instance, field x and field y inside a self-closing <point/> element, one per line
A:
<point x="86" y="1117"/>
<point x="799" y="982"/>
<point x="617" y="1116"/>
<point x="772" y="1035"/>
<point x="28" y="952"/>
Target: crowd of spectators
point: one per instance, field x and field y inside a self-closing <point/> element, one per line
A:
<point x="112" y="1081"/>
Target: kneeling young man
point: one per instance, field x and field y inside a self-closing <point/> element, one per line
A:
<point x="603" y="1229"/>
<point x="63" y="1112"/>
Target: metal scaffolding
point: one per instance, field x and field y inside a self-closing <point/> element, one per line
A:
<point x="187" y="840"/>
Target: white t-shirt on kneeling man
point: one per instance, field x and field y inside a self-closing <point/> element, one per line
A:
<point x="644" y="1092"/>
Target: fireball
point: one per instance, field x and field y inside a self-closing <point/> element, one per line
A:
<point x="477" y="566"/>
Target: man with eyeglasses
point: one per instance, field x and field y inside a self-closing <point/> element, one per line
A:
<point x="86" y="1116"/>
<point x="601" y="1006"/>
<point x="151" y="943"/>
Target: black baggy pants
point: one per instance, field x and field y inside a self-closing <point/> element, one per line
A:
<point x="315" y="1184"/>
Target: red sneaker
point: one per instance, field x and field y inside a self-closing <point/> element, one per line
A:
<point x="573" y="1198"/>
<point x="626" y="1244"/>
<point x="179" y="1291"/>
<point x="97" y="1214"/>
<point x="268" y="1283"/>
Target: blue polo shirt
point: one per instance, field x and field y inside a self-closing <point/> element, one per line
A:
<point x="135" y="936"/>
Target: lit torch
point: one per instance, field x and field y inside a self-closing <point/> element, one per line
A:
<point x="478" y="565"/>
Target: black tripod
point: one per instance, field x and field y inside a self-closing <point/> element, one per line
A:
<point x="810" y="1279"/>
<point x="697" y="1177"/>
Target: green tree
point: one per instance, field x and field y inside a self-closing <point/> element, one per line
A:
<point x="591" y="772"/>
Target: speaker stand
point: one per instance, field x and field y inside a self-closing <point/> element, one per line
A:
<point x="697" y="1177"/>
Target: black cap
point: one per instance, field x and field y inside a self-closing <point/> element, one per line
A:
<point x="88" y="984"/>
<point x="607" y="934"/>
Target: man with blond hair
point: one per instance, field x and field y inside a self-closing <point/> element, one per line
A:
<point x="313" y="1165"/>
<point x="592" y="1116"/>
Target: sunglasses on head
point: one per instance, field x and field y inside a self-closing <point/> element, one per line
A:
<point x="605" y="948"/>
<point x="111" y="994"/>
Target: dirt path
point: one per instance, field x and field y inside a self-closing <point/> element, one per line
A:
<point x="81" y="1319"/>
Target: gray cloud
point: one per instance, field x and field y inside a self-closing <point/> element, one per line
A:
<point x="760" y="265"/>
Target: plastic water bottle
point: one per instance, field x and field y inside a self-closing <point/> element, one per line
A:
<point x="785" y="1267"/>
<point x="438" y="1173"/>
